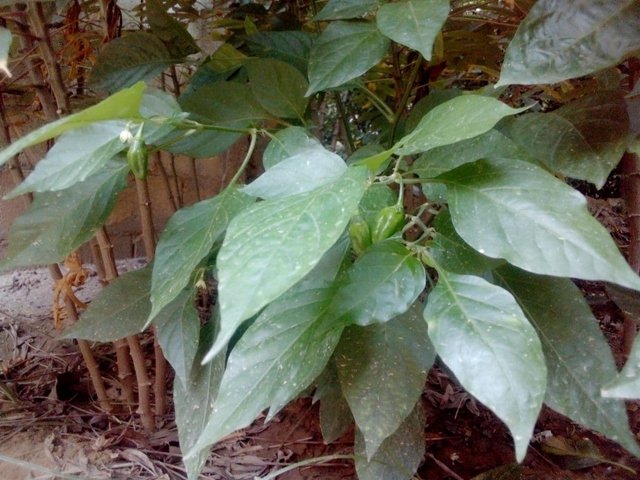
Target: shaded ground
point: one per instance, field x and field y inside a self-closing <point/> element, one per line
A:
<point x="47" y="416"/>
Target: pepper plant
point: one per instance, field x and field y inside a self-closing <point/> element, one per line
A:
<point x="446" y="227"/>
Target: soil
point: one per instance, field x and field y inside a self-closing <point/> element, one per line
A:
<point x="49" y="419"/>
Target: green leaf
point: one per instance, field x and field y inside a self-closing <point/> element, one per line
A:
<point x="375" y="199"/>
<point x="399" y="456"/>
<point x="279" y="356"/>
<point x="381" y="284"/>
<point x="460" y="118"/>
<point x="126" y="60"/>
<point x="120" y="310"/>
<point x="413" y="23"/>
<point x="627" y="383"/>
<point x="517" y="211"/>
<point x="263" y="256"/>
<point x="187" y="239"/>
<point x="305" y="171"/>
<point x="578" y="357"/>
<point x="424" y="105"/>
<point x="5" y="46"/>
<point x="382" y="370"/>
<point x="76" y="155"/>
<point x="335" y="415"/>
<point x="584" y="139"/>
<point x="200" y="144"/>
<point x="345" y="9"/>
<point x="194" y="403"/>
<point x="287" y="143"/>
<point x="229" y="104"/>
<point x="226" y="58"/>
<point x="279" y="87"/>
<point x="177" y="331"/>
<point x="292" y="47"/>
<point x="482" y="335"/>
<point x="175" y="36"/>
<point x="123" y="105"/>
<point x="562" y="39"/>
<point x="344" y="51"/>
<point x="57" y="223"/>
<point x="492" y="144"/>
<point x="453" y="254"/>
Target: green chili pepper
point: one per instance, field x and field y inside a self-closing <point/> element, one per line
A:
<point x="359" y="234"/>
<point x="138" y="156"/>
<point x="387" y="222"/>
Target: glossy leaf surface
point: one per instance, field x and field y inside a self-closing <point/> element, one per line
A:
<point x="382" y="370"/>
<point x="481" y="334"/>
<point x="517" y="211"/>
<point x="344" y="51"/>
<point x="562" y="39"/>
<point x="578" y="357"/>
<point x="414" y="23"/>
<point x="263" y="256"/>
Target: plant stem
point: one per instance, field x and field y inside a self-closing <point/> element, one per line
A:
<point x="382" y="107"/>
<point x="35" y="74"/>
<point x="405" y="98"/>
<point x="157" y="155"/>
<point x="56" y="274"/>
<point x="36" y="16"/>
<point x="247" y="158"/>
<point x="85" y="349"/>
<point x="148" y="236"/>
<point x="125" y="371"/>
<point x="345" y="123"/>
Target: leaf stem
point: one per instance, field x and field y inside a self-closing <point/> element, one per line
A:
<point x="378" y="103"/>
<point x="304" y="463"/>
<point x="405" y="98"/>
<point x="247" y="158"/>
<point x="345" y="122"/>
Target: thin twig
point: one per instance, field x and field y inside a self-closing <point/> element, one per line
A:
<point x="444" y="467"/>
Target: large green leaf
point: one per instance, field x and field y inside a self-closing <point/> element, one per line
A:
<point x="177" y="39"/>
<point x="178" y="331"/>
<point x="194" y="403"/>
<point x="187" y="239"/>
<point x="344" y="51"/>
<point x="585" y="139"/>
<point x="399" y="456"/>
<point x="492" y="144"/>
<point x="627" y="382"/>
<point x="278" y="86"/>
<point x="129" y="59"/>
<point x="263" y="256"/>
<point x="345" y="9"/>
<point x="76" y="155"/>
<point x="287" y="143"/>
<point x="120" y="310"/>
<point x="414" y="23"/>
<point x="482" y="335"/>
<point x="335" y="415"/>
<point x="453" y="254"/>
<point x="123" y="105"/>
<point x="562" y="39"/>
<point x="279" y="355"/>
<point x="383" y="283"/>
<point x="306" y="170"/>
<point x="382" y="370"/>
<point x="292" y="47"/>
<point x="517" y="211"/>
<point x="229" y="104"/>
<point x="460" y="118"/>
<point x="578" y="357"/>
<point x="57" y="223"/>
<point x="5" y="46"/>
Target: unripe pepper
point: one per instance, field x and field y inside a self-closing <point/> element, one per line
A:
<point x="360" y="234"/>
<point x="387" y="222"/>
<point x="138" y="156"/>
